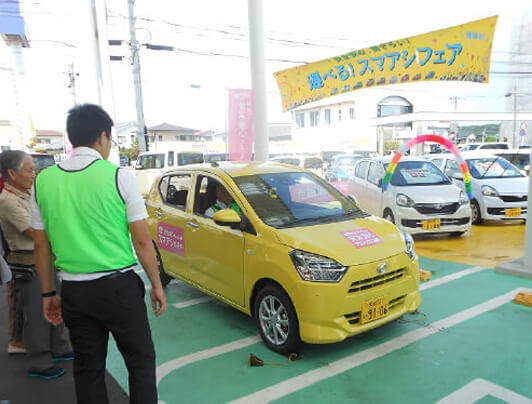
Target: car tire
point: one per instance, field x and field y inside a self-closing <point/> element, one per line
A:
<point x="165" y="278"/>
<point x="282" y="336"/>
<point x="476" y="217"/>
<point x="388" y="215"/>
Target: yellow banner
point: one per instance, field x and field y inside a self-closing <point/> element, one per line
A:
<point x="457" y="53"/>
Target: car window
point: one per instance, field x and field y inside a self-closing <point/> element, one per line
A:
<point x="452" y="167"/>
<point x="492" y="167"/>
<point x="149" y="161"/>
<point x="360" y="170"/>
<point x="42" y="161"/>
<point x="313" y="162"/>
<point x="409" y="173"/>
<point x="177" y="189"/>
<point x="289" y="161"/>
<point x="205" y="194"/>
<point x="375" y="173"/>
<point x="347" y="160"/>
<point x="494" y="146"/>
<point x="295" y="199"/>
<point x="163" y="187"/>
<point x="170" y="159"/>
<point x="438" y="162"/>
<point x="189" y="158"/>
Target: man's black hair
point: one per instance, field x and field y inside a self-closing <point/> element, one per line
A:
<point x="85" y="123"/>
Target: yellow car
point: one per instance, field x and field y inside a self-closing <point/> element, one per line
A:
<point x="282" y="245"/>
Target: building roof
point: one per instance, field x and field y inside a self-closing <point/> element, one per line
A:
<point x="171" y="128"/>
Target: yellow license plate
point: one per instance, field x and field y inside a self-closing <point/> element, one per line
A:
<point x="431" y="224"/>
<point x="374" y="309"/>
<point x="513" y="212"/>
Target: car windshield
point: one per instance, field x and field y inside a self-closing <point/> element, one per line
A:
<point x="410" y="173"/>
<point x="189" y="158"/>
<point x="348" y="160"/>
<point x="492" y="167"/>
<point x="284" y="200"/>
<point x="150" y="161"/>
<point x="42" y="161"/>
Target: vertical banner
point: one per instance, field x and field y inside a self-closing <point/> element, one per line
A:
<point x="241" y="111"/>
<point x="459" y="53"/>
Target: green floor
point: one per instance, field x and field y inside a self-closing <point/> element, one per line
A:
<point x="493" y="346"/>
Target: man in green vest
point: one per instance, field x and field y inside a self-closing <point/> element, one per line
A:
<point x="83" y="212"/>
<point x="224" y="200"/>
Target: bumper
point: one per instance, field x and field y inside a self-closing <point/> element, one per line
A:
<point x="331" y="312"/>
<point x="411" y="221"/>
<point x="496" y="209"/>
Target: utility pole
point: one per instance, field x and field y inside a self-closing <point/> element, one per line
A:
<point x="72" y="83"/>
<point x="514" y="144"/>
<point x="136" y="78"/>
<point x="258" y="79"/>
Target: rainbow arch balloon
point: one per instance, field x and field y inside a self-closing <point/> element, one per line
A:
<point x="429" y="138"/>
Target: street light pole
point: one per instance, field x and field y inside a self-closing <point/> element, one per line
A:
<point x="515" y="116"/>
<point x="136" y="78"/>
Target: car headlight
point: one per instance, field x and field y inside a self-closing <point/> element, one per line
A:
<point x="409" y="241"/>
<point x="404" y="200"/>
<point x="316" y="268"/>
<point x="463" y="199"/>
<point x="489" y="191"/>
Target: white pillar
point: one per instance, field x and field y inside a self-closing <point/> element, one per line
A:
<point x="256" y="47"/>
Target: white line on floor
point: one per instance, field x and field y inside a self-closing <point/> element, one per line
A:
<point x="480" y="388"/>
<point x="191" y="302"/>
<point x="174" y="364"/>
<point x="334" y="368"/>
<point x="449" y="278"/>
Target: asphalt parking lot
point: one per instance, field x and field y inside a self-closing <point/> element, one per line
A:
<point x="469" y="342"/>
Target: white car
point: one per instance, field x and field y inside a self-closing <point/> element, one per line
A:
<point x="311" y="163"/>
<point x="499" y="188"/>
<point x="419" y="198"/>
<point x="150" y="164"/>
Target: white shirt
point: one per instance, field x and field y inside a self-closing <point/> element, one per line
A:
<point x="127" y="185"/>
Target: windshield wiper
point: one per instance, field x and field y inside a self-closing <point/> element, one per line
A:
<point x="485" y="172"/>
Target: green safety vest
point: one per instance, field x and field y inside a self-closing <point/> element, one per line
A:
<point x="233" y="206"/>
<point x="85" y="218"/>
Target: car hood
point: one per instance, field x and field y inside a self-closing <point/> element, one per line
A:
<point x="351" y="242"/>
<point x="430" y="193"/>
<point x="507" y="186"/>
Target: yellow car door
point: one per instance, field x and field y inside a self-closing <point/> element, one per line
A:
<point x="214" y="252"/>
<point x="171" y="216"/>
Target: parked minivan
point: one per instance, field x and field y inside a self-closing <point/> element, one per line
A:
<point x="150" y="164"/>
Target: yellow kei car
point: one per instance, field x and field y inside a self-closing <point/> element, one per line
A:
<point x="283" y="246"/>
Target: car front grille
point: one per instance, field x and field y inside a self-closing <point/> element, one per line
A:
<point x="413" y="223"/>
<point x="513" y="198"/>
<point x="375" y="281"/>
<point x="436" y="208"/>
<point x="502" y="211"/>
<point x="354" y="318"/>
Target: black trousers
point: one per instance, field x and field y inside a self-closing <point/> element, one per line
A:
<point x="92" y="309"/>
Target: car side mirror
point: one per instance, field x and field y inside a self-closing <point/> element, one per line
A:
<point x="458" y="176"/>
<point x="227" y="217"/>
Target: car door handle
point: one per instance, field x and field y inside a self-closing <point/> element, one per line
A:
<point x="192" y="224"/>
<point x="158" y="213"/>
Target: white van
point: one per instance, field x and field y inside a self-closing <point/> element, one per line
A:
<point x="150" y="164"/>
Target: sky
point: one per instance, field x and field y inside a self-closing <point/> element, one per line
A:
<point x="189" y="87"/>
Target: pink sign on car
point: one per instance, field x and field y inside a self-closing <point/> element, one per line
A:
<point x="362" y="237"/>
<point x="171" y="238"/>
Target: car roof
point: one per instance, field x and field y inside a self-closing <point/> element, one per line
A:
<point x="239" y="168"/>
<point x="473" y="154"/>
<point x="387" y="159"/>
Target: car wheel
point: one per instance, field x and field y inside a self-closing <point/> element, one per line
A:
<point x="277" y="320"/>
<point x="476" y="218"/>
<point x="388" y="215"/>
<point x="165" y="278"/>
